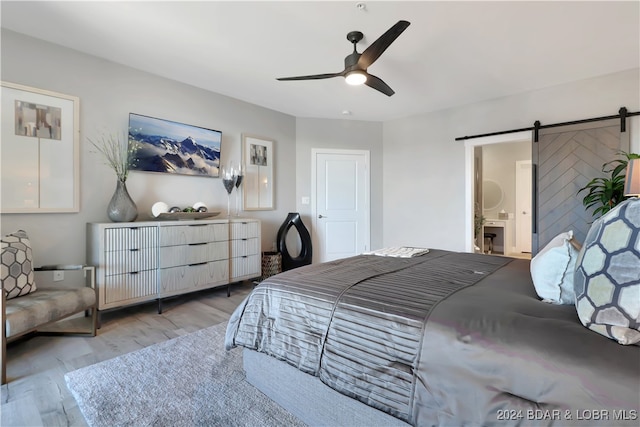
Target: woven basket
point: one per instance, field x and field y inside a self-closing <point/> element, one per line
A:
<point x="271" y="264"/>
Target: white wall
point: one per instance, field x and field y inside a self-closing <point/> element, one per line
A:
<point x="108" y="92"/>
<point x="423" y="174"/>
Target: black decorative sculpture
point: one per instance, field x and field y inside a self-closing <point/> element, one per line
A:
<point x="304" y="258"/>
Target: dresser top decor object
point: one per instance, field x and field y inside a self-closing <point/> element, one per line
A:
<point x="162" y="211"/>
<point x="170" y="216"/>
<point x="120" y="156"/>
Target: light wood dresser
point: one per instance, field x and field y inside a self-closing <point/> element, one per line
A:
<point x="151" y="260"/>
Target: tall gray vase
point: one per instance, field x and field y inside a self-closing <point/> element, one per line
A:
<point x="121" y="207"/>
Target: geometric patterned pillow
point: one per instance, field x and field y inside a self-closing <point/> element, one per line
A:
<point x="607" y="276"/>
<point x="16" y="272"/>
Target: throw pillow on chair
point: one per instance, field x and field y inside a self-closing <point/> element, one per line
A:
<point x="16" y="267"/>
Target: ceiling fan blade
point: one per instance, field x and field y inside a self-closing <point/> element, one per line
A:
<point x="312" y="77"/>
<point x="376" y="48"/>
<point x="377" y="84"/>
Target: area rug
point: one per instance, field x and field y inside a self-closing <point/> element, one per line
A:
<point x="187" y="381"/>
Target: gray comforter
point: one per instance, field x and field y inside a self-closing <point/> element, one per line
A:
<point x="441" y="339"/>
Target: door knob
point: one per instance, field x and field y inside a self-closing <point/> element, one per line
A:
<point x="524" y="212"/>
<point x="320" y="216"/>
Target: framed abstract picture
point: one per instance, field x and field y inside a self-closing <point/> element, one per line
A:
<point x="257" y="155"/>
<point x="40" y="151"/>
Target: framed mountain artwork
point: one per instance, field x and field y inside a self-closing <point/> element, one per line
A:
<point x="171" y="147"/>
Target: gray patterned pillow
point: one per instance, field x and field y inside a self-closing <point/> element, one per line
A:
<point x="16" y="272"/>
<point x="607" y="277"/>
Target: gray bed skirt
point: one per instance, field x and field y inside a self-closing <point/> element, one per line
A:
<point x="307" y="398"/>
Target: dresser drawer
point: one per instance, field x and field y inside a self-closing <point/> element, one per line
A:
<point x="246" y="266"/>
<point x="130" y="287"/>
<point x="244" y="247"/>
<point x="245" y="230"/>
<point x="126" y="238"/>
<point x="130" y="261"/>
<point x="174" y="235"/>
<point x="176" y="280"/>
<point x="171" y="256"/>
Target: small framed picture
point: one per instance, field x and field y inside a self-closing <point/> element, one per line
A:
<point x="257" y="155"/>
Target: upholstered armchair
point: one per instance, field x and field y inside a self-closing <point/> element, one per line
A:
<point x="26" y="308"/>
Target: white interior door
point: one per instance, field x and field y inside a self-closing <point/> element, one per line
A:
<point x="340" y="203"/>
<point x="523" y="206"/>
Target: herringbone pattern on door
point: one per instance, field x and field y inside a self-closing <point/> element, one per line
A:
<point x="567" y="161"/>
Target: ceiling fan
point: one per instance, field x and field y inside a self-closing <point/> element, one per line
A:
<point x="356" y="64"/>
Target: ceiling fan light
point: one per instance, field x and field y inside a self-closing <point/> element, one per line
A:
<point x="356" y="78"/>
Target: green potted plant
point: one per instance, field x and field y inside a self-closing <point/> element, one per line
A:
<point x="604" y="193"/>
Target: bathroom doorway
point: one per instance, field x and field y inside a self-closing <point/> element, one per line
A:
<point x="492" y="193"/>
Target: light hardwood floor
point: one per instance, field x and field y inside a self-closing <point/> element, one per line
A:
<point x="36" y="394"/>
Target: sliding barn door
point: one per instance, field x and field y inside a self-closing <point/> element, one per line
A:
<point x="565" y="159"/>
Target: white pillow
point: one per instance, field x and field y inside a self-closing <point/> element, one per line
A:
<point x="552" y="270"/>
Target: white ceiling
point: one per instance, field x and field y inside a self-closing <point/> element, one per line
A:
<point x="453" y="53"/>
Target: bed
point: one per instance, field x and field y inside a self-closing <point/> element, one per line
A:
<point x="445" y="338"/>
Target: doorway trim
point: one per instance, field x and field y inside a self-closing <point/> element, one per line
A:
<point x="469" y="171"/>
<point x="519" y="248"/>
